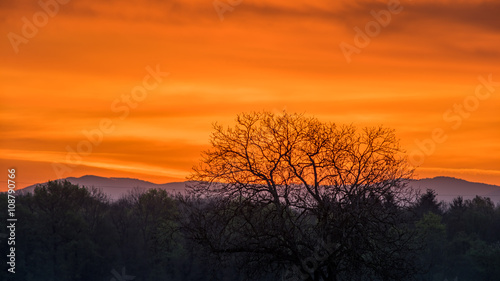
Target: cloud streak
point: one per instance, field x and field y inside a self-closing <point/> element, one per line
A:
<point x="266" y="55"/>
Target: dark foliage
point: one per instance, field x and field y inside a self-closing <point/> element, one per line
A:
<point x="66" y="232"/>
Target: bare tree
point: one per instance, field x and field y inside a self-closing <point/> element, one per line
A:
<point x="310" y="200"/>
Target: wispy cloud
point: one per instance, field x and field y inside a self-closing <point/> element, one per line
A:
<point x="266" y="55"/>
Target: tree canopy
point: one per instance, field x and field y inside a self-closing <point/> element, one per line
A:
<point x="284" y="188"/>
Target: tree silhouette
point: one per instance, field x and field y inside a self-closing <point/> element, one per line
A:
<point x="428" y="202"/>
<point x="288" y="193"/>
<point x="68" y="232"/>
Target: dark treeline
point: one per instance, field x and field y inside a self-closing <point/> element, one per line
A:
<point x="67" y="232"/>
<point x="461" y="239"/>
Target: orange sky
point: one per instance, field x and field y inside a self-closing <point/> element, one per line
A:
<point x="70" y="74"/>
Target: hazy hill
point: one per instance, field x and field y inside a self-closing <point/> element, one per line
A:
<point x="117" y="187"/>
<point x="447" y="188"/>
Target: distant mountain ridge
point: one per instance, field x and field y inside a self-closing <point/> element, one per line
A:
<point x="447" y="188"/>
<point x="118" y="187"/>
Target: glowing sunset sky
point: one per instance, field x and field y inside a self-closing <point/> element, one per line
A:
<point x="418" y="73"/>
